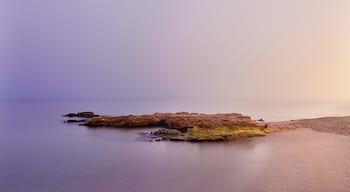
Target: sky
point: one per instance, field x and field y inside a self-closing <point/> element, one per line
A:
<point x="174" y="49"/>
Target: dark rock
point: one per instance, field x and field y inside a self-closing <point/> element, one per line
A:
<point x="183" y="130"/>
<point x="75" y="121"/>
<point x="86" y="114"/>
<point x="71" y="115"/>
<point x="160" y="132"/>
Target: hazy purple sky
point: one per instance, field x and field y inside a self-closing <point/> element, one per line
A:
<point x="174" y="49"/>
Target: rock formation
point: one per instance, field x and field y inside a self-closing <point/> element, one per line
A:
<point x="188" y="126"/>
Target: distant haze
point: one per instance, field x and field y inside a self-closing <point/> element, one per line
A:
<point x="175" y="49"/>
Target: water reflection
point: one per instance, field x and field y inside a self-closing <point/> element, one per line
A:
<point x="40" y="153"/>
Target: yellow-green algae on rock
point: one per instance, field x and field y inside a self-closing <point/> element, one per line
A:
<point x="223" y="133"/>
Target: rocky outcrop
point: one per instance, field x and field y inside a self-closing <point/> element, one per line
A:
<point x="187" y="126"/>
<point x="80" y="117"/>
<point x="173" y="120"/>
<point x="125" y="121"/>
<point x="207" y="127"/>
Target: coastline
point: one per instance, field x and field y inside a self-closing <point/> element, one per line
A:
<point x="337" y="124"/>
<point x="199" y="127"/>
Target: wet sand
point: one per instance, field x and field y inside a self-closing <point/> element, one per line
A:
<point x="338" y="125"/>
<point x="304" y="160"/>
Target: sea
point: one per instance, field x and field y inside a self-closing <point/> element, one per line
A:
<point x="41" y="153"/>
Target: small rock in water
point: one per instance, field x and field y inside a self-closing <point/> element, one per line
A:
<point x="86" y="114"/>
<point x="70" y="115"/>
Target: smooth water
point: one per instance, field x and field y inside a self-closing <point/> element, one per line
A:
<point x="38" y="152"/>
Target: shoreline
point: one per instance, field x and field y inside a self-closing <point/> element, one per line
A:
<point x="199" y="127"/>
<point x="181" y="126"/>
<point x="336" y="124"/>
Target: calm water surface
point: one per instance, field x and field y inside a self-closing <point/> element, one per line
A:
<point x="40" y="153"/>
